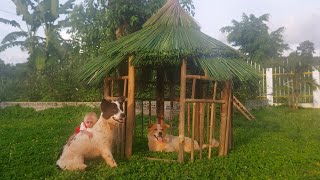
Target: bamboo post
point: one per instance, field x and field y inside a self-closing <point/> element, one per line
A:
<point x="188" y="109"/>
<point x="192" y="130"/>
<point x="208" y="121"/>
<point x="106" y="88"/>
<point x="118" y="139"/>
<point x="193" y="119"/>
<point x="224" y="119"/>
<point x="201" y="124"/>
<point x="160" y="96"/>
<point x="182" y="108"/>
<point x="130" y="107"/>
<point x="212" y="118"/>
<point x="228" y="124"/>
<point x="150" y="112"/>
<point x="231" y="120"/>
<point x="122" y="126"/>
<point x="142" y="118"/>
<point x="196" y="124"/>
<point x="112" y="87"/>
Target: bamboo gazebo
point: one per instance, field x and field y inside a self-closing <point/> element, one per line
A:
<point x="171" y="39"/>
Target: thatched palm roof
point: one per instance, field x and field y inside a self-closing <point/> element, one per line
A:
<point x="167" y="37"/>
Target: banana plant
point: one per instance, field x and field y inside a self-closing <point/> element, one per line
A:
<point x="37" y="14"/>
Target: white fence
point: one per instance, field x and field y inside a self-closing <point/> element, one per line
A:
<point x="275" y="86"/>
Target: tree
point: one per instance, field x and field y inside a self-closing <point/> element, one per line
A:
<point x="36" y="14"/>
<point x="97" y="22"/>
<point x="253" y="38"/>
<point x="306" y="49"/>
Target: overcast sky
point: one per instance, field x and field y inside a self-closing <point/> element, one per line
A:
<point x="301" y="18"/>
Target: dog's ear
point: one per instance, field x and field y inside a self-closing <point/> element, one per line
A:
<point x="104" y="105"/>
<point x="150" y="125"/>
<point x="166" y="126"/>
<point x="106" y="108"/>
<point x="121" y="99"/>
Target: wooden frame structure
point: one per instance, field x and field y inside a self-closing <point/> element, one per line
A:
<point x="198" y="112"/>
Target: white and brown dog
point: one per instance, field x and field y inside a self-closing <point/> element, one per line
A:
<point x="81" y="147"/>
<point x="159" y="140"/>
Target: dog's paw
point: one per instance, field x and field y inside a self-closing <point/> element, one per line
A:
<point x="82" y="167"/>
<point x="113" y="164"/>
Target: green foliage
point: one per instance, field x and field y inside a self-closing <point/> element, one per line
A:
<point x="280" y="144"/>
<point x="306" y="49"/>
<point x="253" y="38"/>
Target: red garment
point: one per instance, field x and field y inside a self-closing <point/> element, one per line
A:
<point x="78" y="128"/>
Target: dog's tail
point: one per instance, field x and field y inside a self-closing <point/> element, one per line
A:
<point x="214" y="144"/>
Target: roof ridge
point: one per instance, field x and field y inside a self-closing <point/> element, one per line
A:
<point x="172" y="14"/>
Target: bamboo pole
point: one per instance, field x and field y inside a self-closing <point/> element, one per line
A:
<point x="150" y="112"/>
<point x="112" y="87"/>
<point x="228" y="123"/>
<point x="201" y="124"/>
<point x="160" y="96"/>
<point x="188" y="109"/>
<point x="106" y="88"/>
<point x="130" y="108"/>
<point x="123" y="125"/>
<point x="231" y="121"/>
<point x="182" y="108"/>
<point x="223" y="120"/>
<point x="192" y="130"/>
<point x="193" y="90"/>
<point x="208" y="121"/>
<point x="142" y="118"/>
<point x="212" y="118"/>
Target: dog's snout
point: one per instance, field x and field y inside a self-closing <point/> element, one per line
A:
<point x="122" y="115"/>
<point x="160" y="133"/>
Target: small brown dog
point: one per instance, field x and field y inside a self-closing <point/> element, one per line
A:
<point x="159" y="140"/>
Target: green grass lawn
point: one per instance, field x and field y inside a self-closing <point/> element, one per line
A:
<point x="280" y="144"/>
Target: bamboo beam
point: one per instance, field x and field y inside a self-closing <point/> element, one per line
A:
<point x="117" y="78"/>
<point x="114" y="98"/>
<point x="130" y="108"/>
<point x="182" y="108"/>
<point x="199" y="77"/>
<point x="212" y="118"/>
<point x="222" y="101"/>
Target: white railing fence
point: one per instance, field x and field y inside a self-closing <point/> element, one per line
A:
<point x="276" y="86"/>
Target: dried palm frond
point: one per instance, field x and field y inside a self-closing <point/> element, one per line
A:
<point x="167" y="37"/>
